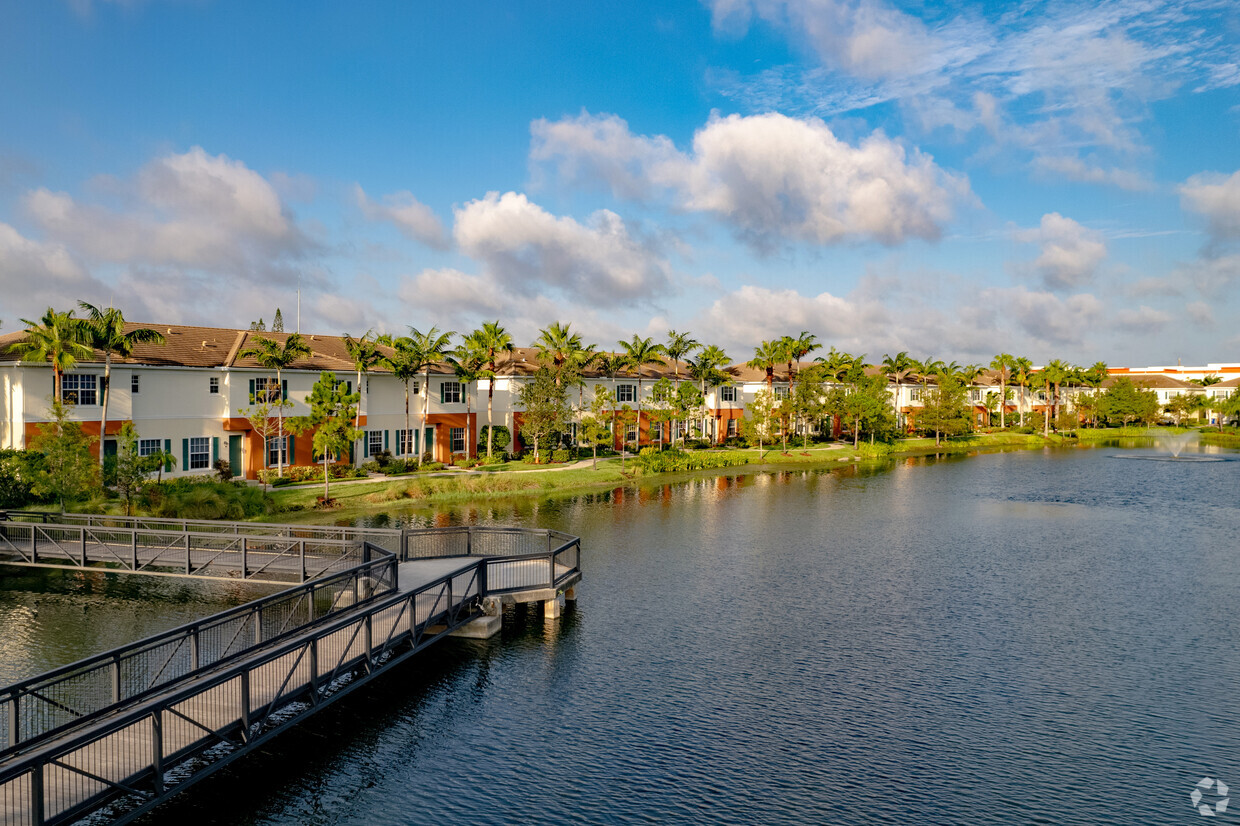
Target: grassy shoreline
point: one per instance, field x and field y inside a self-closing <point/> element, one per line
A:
<point x="366" y="498"/>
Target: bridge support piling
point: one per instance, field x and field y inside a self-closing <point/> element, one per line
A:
<point x="552" y="608"/>
<point x="485" y="626"/>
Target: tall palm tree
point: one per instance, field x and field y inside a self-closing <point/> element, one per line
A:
<point x="1055" y="374"/>
<point x="765" y="356"/>
<point x="493" y="340"/>
<point x="637" y="354"/>
<point x="609" y="364"/>
<point x="365" y="354"/>
<point x="276" y="356"/>
<point x="429" y="348"/>
<point x="58" y="338"/>
<point x="707" y="368"/>
<point x="898" y="368"/>
<point x="798" y="348"/>
<point x="468" y="361"/>
<point x="556" y="345"/>
<point x="1094" y="377"/>
<point x="105" y="330"/>
<point x="404" y="363"/>
<point x="1022" y="377"/>
<point x="1002" y="364"/>
<point x="580" y="360"/>
<point x="679" y="346"/>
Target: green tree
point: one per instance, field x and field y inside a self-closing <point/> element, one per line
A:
<point x="58" y="338"/>
<point x="105" y="332"/>
<point x="132" y="470"/>
<point x="545" y="407"/>
<point x="1054" y="374"/>
<point x="865" y="403"/>
<point x="556" y="346"/>
<point x="761" y="419"/>
<point x="1126" y="402"/>
<point x="707" y="369"/>
<point x="662" y="408"/>
<point x="366" y="355"/>
<point x="493" y="340"/>
<point x="637" y="354"/>
<point x="262" y="421"/>
<point x="277" y="323"/>
<point x="765" y="356"/>
<point x="897" y="368"/>
<point x="332" y="409"/>
<point x="69" y="472"/>
<point x="1022" y="377"/>
<point x="596" y="420"/>
<point x="273" y="355"/>
<point x="468" y="361"/>
<point x="943" y="410"/>
<point x="1002" y="365"/>
<point x="426" y="349"/>
<point x="1227" y="407"/>
<point x="405" y="363"/>
<point x="806" y="401"/>
<point x="689" y="402"/>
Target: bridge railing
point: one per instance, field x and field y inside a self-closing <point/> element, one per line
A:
<point x="270" y="558"/>
<point x="143" y="754"/>
<point x="388" y="538"/>
<point x="73" y="694"/>
<point x="423" y="543"/>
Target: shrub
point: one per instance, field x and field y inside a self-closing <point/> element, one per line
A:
<point x="502" y="437"/>
<point x="17" y="469"/>
<point x="468" y="463"/>
<point x="205" y="498"/>
<point x="558" y="456"/>
<point x="698" y="444"/>
<point x="371" y="466"/>
<point x="224" y="469"/>
<point x="497" y="458"/>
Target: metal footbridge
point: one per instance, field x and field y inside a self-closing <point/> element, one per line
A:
<point x="114" y="735"/>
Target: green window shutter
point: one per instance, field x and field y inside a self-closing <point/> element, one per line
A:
<point x="167" y="456"/>
<point x="215" y="450"/>
<point x="292" y="450"/>
<point x="365" y="444"/>
<point x="185" y="454"/>
<point x="351" y="460"/>
<point x="443" y="386"/>
<point x="348" y="388"/>
<point x="284" y="391"/>
<point x="252" y="399"/>
<point x="385" y="440"/>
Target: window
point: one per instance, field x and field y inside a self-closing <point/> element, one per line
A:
<point x="727" y="393"/>
<point x="458" y="439"/>
<point x="975" y="396"/>
<point x="404" y="442"/>
<point x="148" y="447"/>
<point x="626" y="393"/>
<point x="266" y="390"/>
<point x="450" y="392"/>
<point x="413" y="388"/>
<point x="374" y="441"/>
<point x="133" y="383"/>
<point x="273" y="451"/>
<point x="77" y="388"/>
<point x="914" y="394"/>
<point x="731" y="428"/>
<point x="199" y="452"/>
<point x="630" y="432"/>
<point x="656" y="431"/>
<point x="781" y="392"/>
<point x="215" y="384"/>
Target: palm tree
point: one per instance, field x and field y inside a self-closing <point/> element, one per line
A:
<point x="707" y="368"/>
<point x="679" y="345"/>
<point x="468" y="360"/>
<point x="1002" y="364"/>
<point x="898" y="368"/>
<point x="1022" y="377"/>
<point x="797" y="349"/>
<point x="1055" y="373"/>
<point x="105" y="330"/>
<point x="429" y="348"/>
<point x="58" y="338"/>
<point x="556" y="345"/>
<point x="610" y="364"/>
<point x="580" y="360"/>
<point x="1094" y="377"/>
<point x="637" y="354"/>
<point x="275" y="356"/>
<point x="765" y="356"/>
<point x="365" y="354"/>
<point x="404" y="364"/>
<point x="492" y="339"/>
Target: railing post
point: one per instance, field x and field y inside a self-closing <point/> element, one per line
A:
<point x="83" y="551"/>
<point x="469" y="541"/>
<point x="314" y="670"/>
<point x="133" y="549"/>
<point x="548" y="540"/>
<point x="258" y="625"/>
<point x="302" y="554"/>
<point x="245" y="706"/>
<point x="36" y="795"/>
<point x="157" y="751"/>
<point x="368" y="639"/>
<point x="15" y="729"/>
<point x="245" y="557"/>
<point x="482" y="578"/>
<point x="34" y="543"/>
<point x="116" y="679"/>
<point x="194" y="657"/>
<point x="403" y="554"/>
<point x="188" y="569"/>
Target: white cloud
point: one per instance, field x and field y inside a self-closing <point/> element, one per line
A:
<point x="413" y="218"/>
<point x="35" y="275"/>
<point x="1070" y="254"/>
<point x="1200" y="313"/>
<point x="1211" y="275"/>
<point x="1215" y="197"/>
<point x="770" y="177"/>
<point x="1075" y="169"/>
<point x="1048" y="320"/>
<point x="1142" y="319"/>
<point x="527" y="249"/>
<point x="194" y="210"/>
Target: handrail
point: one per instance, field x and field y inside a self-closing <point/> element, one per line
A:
<point x="380" y="572"/>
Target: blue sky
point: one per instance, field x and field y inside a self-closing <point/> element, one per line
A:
<point x="1054" y="180"/>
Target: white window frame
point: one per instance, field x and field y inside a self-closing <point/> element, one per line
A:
<point x="781" y="393"/>
<point x="630" y="432"/>
<point x="626" y="393"/>
<point x="199" y="453"/>
<point x="656" y="431"/>
<point x="404" y="442"/>
<point x="732" y="428"/>
<point x="267" y="390"/>
<point x="374" y="441"/>
<point x="80" y="384"/>
<point x="213" y="385"/>
<point x="135" y="383"/>
<point x="149" y="447"/>
<point x="455" y="434"/>
<point x="450" y="389"/>
<point x="727" y="393"/>
<point x="271" y="447"/>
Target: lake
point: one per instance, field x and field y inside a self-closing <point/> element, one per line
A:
<point x="1035" y="637"/>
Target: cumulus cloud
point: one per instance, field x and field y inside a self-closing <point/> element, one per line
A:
<point x="415" y="220"/>
<point x="1211" y="275"/>
<point x="769" y="176"/>
<point x="1075" y="169"/>
<point x="1046" y="318"/>
<point x="194" y="211"/>
<point x="1070" y="253"/>
<point x="34" y="275"/>
<point x="1200" y="313"/>
<point x="1216" y="198"/>
<point x="527" y="249"/>
<point x="751" y="314"/>
<point x="1141" y="319"/>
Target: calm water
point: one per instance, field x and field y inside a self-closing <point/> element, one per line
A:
<point x="1013" y="638"/>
